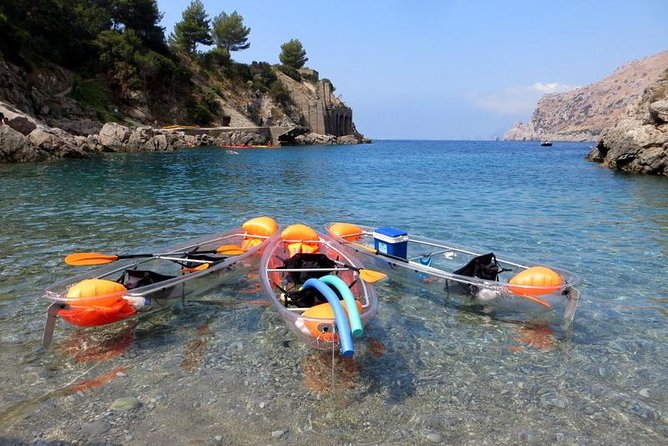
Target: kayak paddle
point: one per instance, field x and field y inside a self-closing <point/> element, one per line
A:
<point x="367" y="275"/>
<point x="96" y="258"/>
<point x="370" y="276"/>
<point x="195" y="269"/>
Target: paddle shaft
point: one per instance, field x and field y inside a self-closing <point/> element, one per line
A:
<point x="375" y="251"/>
<point x="164" y="256"/>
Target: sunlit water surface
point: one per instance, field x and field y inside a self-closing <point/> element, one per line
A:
<point x="225" y="369"/>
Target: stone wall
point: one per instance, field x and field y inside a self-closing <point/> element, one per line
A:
<point x="323" y="112"/>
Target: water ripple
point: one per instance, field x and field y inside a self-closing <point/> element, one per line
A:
<point x="427" y="371"/>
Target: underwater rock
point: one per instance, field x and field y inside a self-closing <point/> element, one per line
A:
<point x="434" y="437"/>
<point x="95" y="428"/>
<point x="280" y="433"/>
<point x="124" y="404"/>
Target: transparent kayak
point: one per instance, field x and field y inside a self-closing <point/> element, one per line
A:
<point x="299" y="270"/>
<point x="510" y="289"/>
<point x="139" y="283"/>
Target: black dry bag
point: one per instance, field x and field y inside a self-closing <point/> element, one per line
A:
<point x="307" y="261"/>
<point x="484" y="267"/>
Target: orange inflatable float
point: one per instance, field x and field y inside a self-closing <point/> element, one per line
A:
<point x="536" y="281"/>
<point x="346" y="231"/>
<point x="257" y="229"/>
<point x="96" y="302"/>
<point x="318" y="321"/>
<point x="301" y="239"/>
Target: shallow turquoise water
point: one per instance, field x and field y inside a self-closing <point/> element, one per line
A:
<point x="431" y="372"/>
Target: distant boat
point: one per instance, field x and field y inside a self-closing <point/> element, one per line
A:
<point x="546" y="143"/>
<point x="231" y="152"/>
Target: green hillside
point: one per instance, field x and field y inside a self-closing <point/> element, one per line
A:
<point x="110" y="60"/>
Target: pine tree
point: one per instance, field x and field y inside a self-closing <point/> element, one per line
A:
<point x="293" y="54"/>
<point x="143" y="17"/>
<point x="230" y="33"/>
<point x="192" y="29"/>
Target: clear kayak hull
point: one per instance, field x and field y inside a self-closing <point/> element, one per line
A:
<point x="314" y="323"/>
<point x="128" y="287"/>
<point x="514" y="290"/>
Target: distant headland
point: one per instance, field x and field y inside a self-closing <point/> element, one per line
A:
<point x="626" y="114"/>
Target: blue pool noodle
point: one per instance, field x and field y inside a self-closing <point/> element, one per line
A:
<point x="349" y="299"/>
<point x="340" y="318"/>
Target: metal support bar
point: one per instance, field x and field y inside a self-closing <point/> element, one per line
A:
<point x="573" y="296"/>
<point x="50" y="324"/>
<point x="297" y="270"/>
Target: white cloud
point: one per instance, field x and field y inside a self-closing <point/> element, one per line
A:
<point x="551" y="87"/>
<point x="518" y="99"/>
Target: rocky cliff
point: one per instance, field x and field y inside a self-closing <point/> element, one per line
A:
<point x="44" y="118"/>
<point x="638" y="142"/>
<point x="582" y="114"/>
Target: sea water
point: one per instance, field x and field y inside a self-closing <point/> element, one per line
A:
<point x="224" y="369"/>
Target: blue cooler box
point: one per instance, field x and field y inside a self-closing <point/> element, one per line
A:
<point x="391" y="241"/>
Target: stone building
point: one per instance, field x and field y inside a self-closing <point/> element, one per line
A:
<point x="323" y="112"/>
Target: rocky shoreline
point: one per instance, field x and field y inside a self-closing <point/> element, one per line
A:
<point x="638" y="143"/>
<point x="25" y="139"/>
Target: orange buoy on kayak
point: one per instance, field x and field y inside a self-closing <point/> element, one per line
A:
<point x="536" y="281"/>
<point x="318" y="321"/>
<point x="346" y="231"/>
<point x="96" y="302"/>
<point x="105" y="292"/>
<point x="93" y="316"/>
<point x="300" y="239"/>
<point x="259" y="226"/>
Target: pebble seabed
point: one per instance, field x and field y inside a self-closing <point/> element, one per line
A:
<point x="226" y="370"/>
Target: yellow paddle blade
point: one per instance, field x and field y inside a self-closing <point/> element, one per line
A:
<point x="371" y="276"/>
<point x="230" y="250"/>
<point x="194" y="269"/>
<point x="89" y="258"/>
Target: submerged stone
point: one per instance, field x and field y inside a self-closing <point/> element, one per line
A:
<point x="278" y="433"/>
<point x="434" y="437"/>
<point x="95" y="428"/>
<point x="124" y="404"/>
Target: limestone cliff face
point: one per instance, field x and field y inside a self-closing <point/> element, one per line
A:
<point x="582" y="114"/>
<point x="43" y="120"/>
<point x="323" y="113"/>
<point x="639" y="141"/>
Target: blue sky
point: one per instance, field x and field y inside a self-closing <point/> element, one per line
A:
<point x="448" y="69"/>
